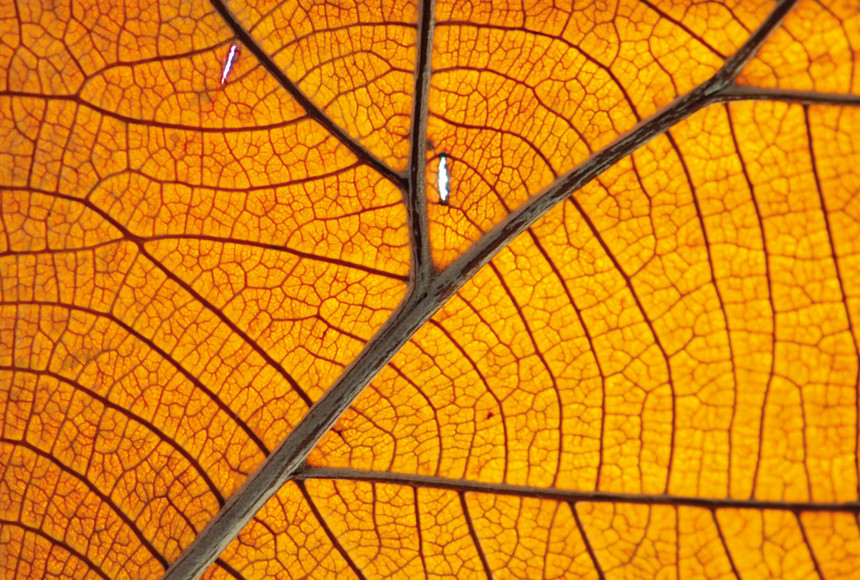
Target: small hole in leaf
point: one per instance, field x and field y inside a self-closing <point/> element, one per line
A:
<point x="228" y="65"/>
<point x="443" y="179"/>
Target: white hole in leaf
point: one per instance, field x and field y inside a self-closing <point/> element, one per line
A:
<point x="443" y="179"/>
<point x="231" y="58"/>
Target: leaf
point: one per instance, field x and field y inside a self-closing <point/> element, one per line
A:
<point x="242" y="337"/>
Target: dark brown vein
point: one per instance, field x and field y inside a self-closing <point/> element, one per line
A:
<point x="229" y="569"/>
<point x="151" y="122"/>
<point x="534" y="95"/>
<point x="279" y="248"/>
<point x="550" y="493"/>
<point x="808" y="546"/>
<point x="662" y="14"/>
<point x="744" y="93"/>
<point x="416" y="193"/>
<point x="505" y="133"/>
<point x="474" y="535"/>
<point x="539" y="353"/>
<point x="429" y="403"/>
<point x="312" y="110"/>
<point x="725" y="544"/>
<point x="579" y="50"/>
<point x="591" y="346"/>
<point x="332" y="538"/>
<point x="465" y="354"/>
<point x="588" y="547"/>
<point x="826" y="215"/>
<point x="421" y="555"/>
<point x="713" y="273"/>
<point x="769" y="279"/>
<point x="628" y="282"/>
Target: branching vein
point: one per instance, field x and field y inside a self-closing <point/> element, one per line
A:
<point x="287" y="460"/>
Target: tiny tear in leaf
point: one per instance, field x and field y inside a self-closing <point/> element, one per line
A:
<point x="231" y="58"/>
<point x="443" y="179"/>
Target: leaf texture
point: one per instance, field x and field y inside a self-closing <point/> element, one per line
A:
<point x="243" y="338"/>
<point x="519" y="97"/>
<point x="815" y="49"/>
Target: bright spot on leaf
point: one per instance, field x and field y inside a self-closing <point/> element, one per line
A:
<point x="443" y="179"/>
<point x="228" y="66"/>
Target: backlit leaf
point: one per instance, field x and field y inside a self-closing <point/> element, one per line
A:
<point x="243" y="335"/>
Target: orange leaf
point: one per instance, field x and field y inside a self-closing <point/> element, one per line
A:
<point x="243" y="333"/>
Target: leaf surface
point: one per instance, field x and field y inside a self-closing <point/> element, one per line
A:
<point x="625" y="346"/>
